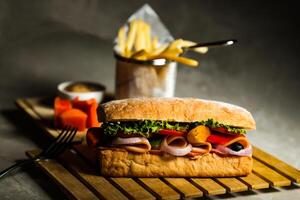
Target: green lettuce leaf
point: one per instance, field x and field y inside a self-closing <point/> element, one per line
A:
<point x="214" y="124"/>
<point x="146" y="127"/>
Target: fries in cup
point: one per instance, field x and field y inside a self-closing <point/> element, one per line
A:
<point x="139" y="43"/>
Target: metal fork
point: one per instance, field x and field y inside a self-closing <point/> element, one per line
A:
<point x="61" y="143"/>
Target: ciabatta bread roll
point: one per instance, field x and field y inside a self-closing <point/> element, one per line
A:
<point x="172" y="137"/>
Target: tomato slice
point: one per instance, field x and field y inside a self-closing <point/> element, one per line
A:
<point x="171" y="132"/>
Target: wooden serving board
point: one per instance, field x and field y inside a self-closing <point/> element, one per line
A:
<point x="74" y="172"/>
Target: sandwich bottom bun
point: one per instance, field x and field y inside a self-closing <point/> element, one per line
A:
<point x="117" y="162"/>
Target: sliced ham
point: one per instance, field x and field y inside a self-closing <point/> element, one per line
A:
<point x="200" y="149"/>
<point x="133" y="144"/>
<point x="176" y="145"/>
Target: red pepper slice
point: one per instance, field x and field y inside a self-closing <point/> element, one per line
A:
<point x="221" y="138"/>
<point x="171" y="132"/>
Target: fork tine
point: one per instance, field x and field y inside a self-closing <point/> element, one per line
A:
<point x="73" y="136"/>
<point x="64" y="144"/>
<point x="57" y="140"/>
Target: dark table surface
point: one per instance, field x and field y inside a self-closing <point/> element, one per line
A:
<point x="43" y="43"/>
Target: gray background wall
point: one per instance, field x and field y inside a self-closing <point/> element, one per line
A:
<point x="43" y="43"/>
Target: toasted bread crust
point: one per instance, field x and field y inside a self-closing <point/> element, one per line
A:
<point x="179" y="110"/>
<point x="121" y="163"/>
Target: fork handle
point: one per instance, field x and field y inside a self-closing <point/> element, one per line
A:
<point x="16" y="165"/>
<point x="214" y="44"/>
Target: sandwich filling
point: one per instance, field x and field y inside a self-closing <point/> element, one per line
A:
<point x="176" y="138"/>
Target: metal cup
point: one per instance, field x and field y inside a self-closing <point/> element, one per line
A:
<point x="151" y="78"/>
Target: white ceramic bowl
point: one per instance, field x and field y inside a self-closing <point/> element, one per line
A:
<point x="98" y="94"/>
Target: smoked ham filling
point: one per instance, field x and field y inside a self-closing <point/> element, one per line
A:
<point x="134" y="144"/>
<point x="178" y="139"/>
<point x="176" y="145"/>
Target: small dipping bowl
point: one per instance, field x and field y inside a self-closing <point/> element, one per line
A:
<point x="83" y="90"/>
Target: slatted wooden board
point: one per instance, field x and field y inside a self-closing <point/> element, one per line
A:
<point x="75" y="174"/>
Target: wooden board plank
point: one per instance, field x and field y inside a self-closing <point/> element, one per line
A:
<point x="21" y="103"/>
<point x="187" y="189"/>
<point x="43" y="116"/>
<point x="232" y="184"/>
<point x="209" y="186"/>
<point x="274" y="163"/>
<point x="134" y="190"/>
<point x="98" y="184"/>
<point x="42" y="107"/>
<point x="254" y="182"/>
<point x="27" y="106"/>
<point x="66" y="181"/>
<point x="160" y="189"/>
<point x="274" y="178"/>
<point x="89" y="154"/>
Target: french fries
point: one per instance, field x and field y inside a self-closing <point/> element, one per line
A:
<point x="131" y="38"/>
<point x="139" y="43"/>
<point x="183" y="60"/>
<point x="201" y="50"/>
<point x="122" y="40"/>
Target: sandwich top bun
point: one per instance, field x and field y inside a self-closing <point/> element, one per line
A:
<point x="178" y="110"/>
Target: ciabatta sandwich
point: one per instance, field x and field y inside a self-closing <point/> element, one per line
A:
<point x="172" y="137"/>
